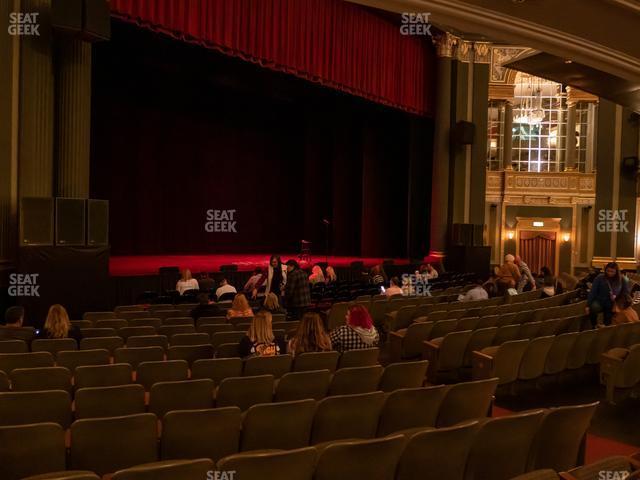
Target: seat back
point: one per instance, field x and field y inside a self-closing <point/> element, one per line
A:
<point x="145" y="322"/>
<point x="299" y="464"/>
<point x="13" y="346"/>
<point x="481" y="338"/>
<point x="466" y="401"/>
<point x="506" y="333"/>
<point x="411" y="408"/>
<point x="467" y="323"/>
<point x="278" y="426"/>
<point x="403" y="375"/>
<point x="43" y="378"/>
<point x="106" y="445"/>
<point x="617" y="464"/>
<point x="359" y="358"/>
<point x="210" y="433"/>
<point x="452" y="350"/>
<point x="116" y="323"/>
<point x="244" y="392"/>
<point x="337" y="315"/>
<point x="137" y="341"/>
<point x="11" y="361"/>
<point x="580" y="350"/>
<point x="103" y="375"/>
<point x="437" y="454"/>
<point x="276" y="365"/>
<point x="53" y="345"/>
<point x="501" y="447"/>
<point x="416" y="333"/>
<point x="178" y="321"/>
<point x="226" y="337"/>
<point x="21" y="408"/>
<point x="136" y="355"/>
<point x="216" y="369"/>
<point x="360" y="459"/>
<point x="601" y="343"/>
<point x="34" y="449"/>
<point x="347" y="416"/>
<point x="98" y="332"/>
<point x="301" y="385"/>
<point x="99" y="343"/>
<point x="168" y="470"/>
<point x="560" y="436"/>
<point x="316" y="361"/>
<point x="94" y="316"/>
<point x="404" y="317"/>
<point x="535" y="358"/>
<point x="149" y="373"/>
<point x="558" y="355"/>
<point x="126" y="332"/>
<point x="190" y="353"/>
<point x="442" y="327"/>
<point x="528" y="330"/>
<point x="189" y="339"/>
<point x="507" y="360"/>
<point x="348" y="381"/>
<point x="80" y="358"/>
<point x="180" y="395"/>
<point x="97" y="402"/>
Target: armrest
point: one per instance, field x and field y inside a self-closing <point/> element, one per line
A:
<point x="482" y="365"/>
<point x="390" y="321"/>
<point x="609" y="365"/>
<point x="431" y="352"/>
<point x="395" y="345"/>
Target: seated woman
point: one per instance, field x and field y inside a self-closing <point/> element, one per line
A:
<point x="623" y="311"/>
<point x="240" y="307"/>
<point x="57" y="325"/>
<point x="331" y="276"/>
<point x="186" y="282"/>
<point x="311" y="336"/>
<point x="357" y="334"/>
<point x="316" y="275"/>
<point x="260" y="340"/>
<point x="272" y="304"/>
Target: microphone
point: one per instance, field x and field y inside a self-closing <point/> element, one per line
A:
<point x="325" y="221"/>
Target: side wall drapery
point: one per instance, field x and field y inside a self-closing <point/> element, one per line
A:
<point x="332" y="42"/>
<point x="538" y="249"/>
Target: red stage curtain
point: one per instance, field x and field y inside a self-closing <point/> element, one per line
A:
<point x="538" y="249"/>
<point x="332" y="42"/>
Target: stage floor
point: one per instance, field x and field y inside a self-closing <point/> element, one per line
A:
<point x="121" y="266"/>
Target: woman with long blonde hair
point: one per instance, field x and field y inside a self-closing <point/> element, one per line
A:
<point x="260" y="340"/>
<point x="272" y="305"/>
<point x="57" y="324"/>
<point x="186" y="282"/>
<point x="311" y="336"/>
<point x="240" y="307"/>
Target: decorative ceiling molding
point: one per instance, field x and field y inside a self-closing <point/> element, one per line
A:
<point x="501" y="54"/>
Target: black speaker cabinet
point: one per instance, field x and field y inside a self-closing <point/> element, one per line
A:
<point x="66" y="15"/>
<point x="36" y="221"/>
<point x="97" y="20"/>
<point x="97" y="222"/>
<point x="70" y="221"/>
<point x="462" y="234"/>
<point x="478" y="235"/>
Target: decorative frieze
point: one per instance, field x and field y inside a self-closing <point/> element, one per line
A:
<point x="531" y="188"/>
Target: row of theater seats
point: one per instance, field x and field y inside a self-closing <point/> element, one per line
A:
<point x="620" y="372"/>
<point x="331" y="439"/>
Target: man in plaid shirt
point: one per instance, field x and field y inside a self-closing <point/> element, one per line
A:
<point x="297" y="296"/>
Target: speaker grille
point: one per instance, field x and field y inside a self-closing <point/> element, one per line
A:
<point x="70" y="222"/>
<point x="36" y="221"/>
<point x="98" y="222"/>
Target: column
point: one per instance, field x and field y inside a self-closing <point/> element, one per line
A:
<point x="73" y="116"/>
<point x="440" y="177"/>
<point x="35" y="144"/>
<point x="570" y="158"/>
<point x="508" y="136"/>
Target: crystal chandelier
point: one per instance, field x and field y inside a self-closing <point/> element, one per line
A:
<point x="530" y="111"/>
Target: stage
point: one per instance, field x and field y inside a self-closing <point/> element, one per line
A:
<point x="132" y="265"/>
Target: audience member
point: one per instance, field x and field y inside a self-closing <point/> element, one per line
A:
<point x="260" y="340"/>
<point x="526" y="278"/>
<point x="428" y="272"/>
<point x="206" y="308"/>
<point x="186" y="282"/>
<point x="13" y="326"/>
<point x="276" y="276"/>
<point x="330" y="276"/>
<point x="240" y="307"/>
<point x="206" y="283"/>
<point x="377" y="276"/>
<point x="272" y="305"/>
<point x="254" y="283"/>
<point x="508" y="274"/>
<point x="624" y="311"/>
<point x="57" y="325"/>
<point x="358" y="333"/>
<point x="316" y="275"/>
<point x="297" y="291"/>
<point x="478" y="292"/>
<point x="311" y="336"/>
<point x="605" y="289"/>
<point x="548" y="287"/>
<point x="225" y="288"/>
<point x="394" y="287"/>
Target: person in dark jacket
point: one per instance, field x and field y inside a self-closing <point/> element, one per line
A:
<point x="605" y="289"/>
<point x="205" y="308"/>
<point x="13" y="328"/>
<point x="297" y="292"/>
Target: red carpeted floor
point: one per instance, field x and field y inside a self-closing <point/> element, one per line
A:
<point x="149" y="264"/>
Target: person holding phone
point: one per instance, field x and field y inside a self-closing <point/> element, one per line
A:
<point x="605" y="289"/>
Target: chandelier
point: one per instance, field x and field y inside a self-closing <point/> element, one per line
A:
<point x="530" y="111"/>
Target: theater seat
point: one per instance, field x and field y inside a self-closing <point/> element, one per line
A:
<point x="13" y="346"/>
<point x="407" y="343"/>
<point x="4" y="382"/>
<point x="106" y="343"/>
<point x="168" y="470"/>
<point x="11" y="361"/>
<point x="300" y="385"/>
<point x="20" y="408"/>
<point x="217" y="369"/>
<point x="182" y="395"/>
<point x="348" y="381"/>
<point x="66" y="475"/>
<point x="190" y="353"/>
<point x="136" y="355"/>
<point x="276" y="365"/>
<point x="621" y="465"/>
<point x="620" y="370"/>
<point x="73" y="359"/>
<point x="295" y="464"/>
<point x="360" y="459"/>
<point x="244" y="392"/>
<point x="149" y="373"/>
<point x="466" y="401"/>
<point x="359" y="358"/>
<point x="31" y="450"/>
<point x="98" y="402"/>
<point x="403" y="375"/>
<point x="316" y="361"/>
<point x="43" y="378"/>
<point x="103" y="375"/>
<point x="409" y="408"/>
